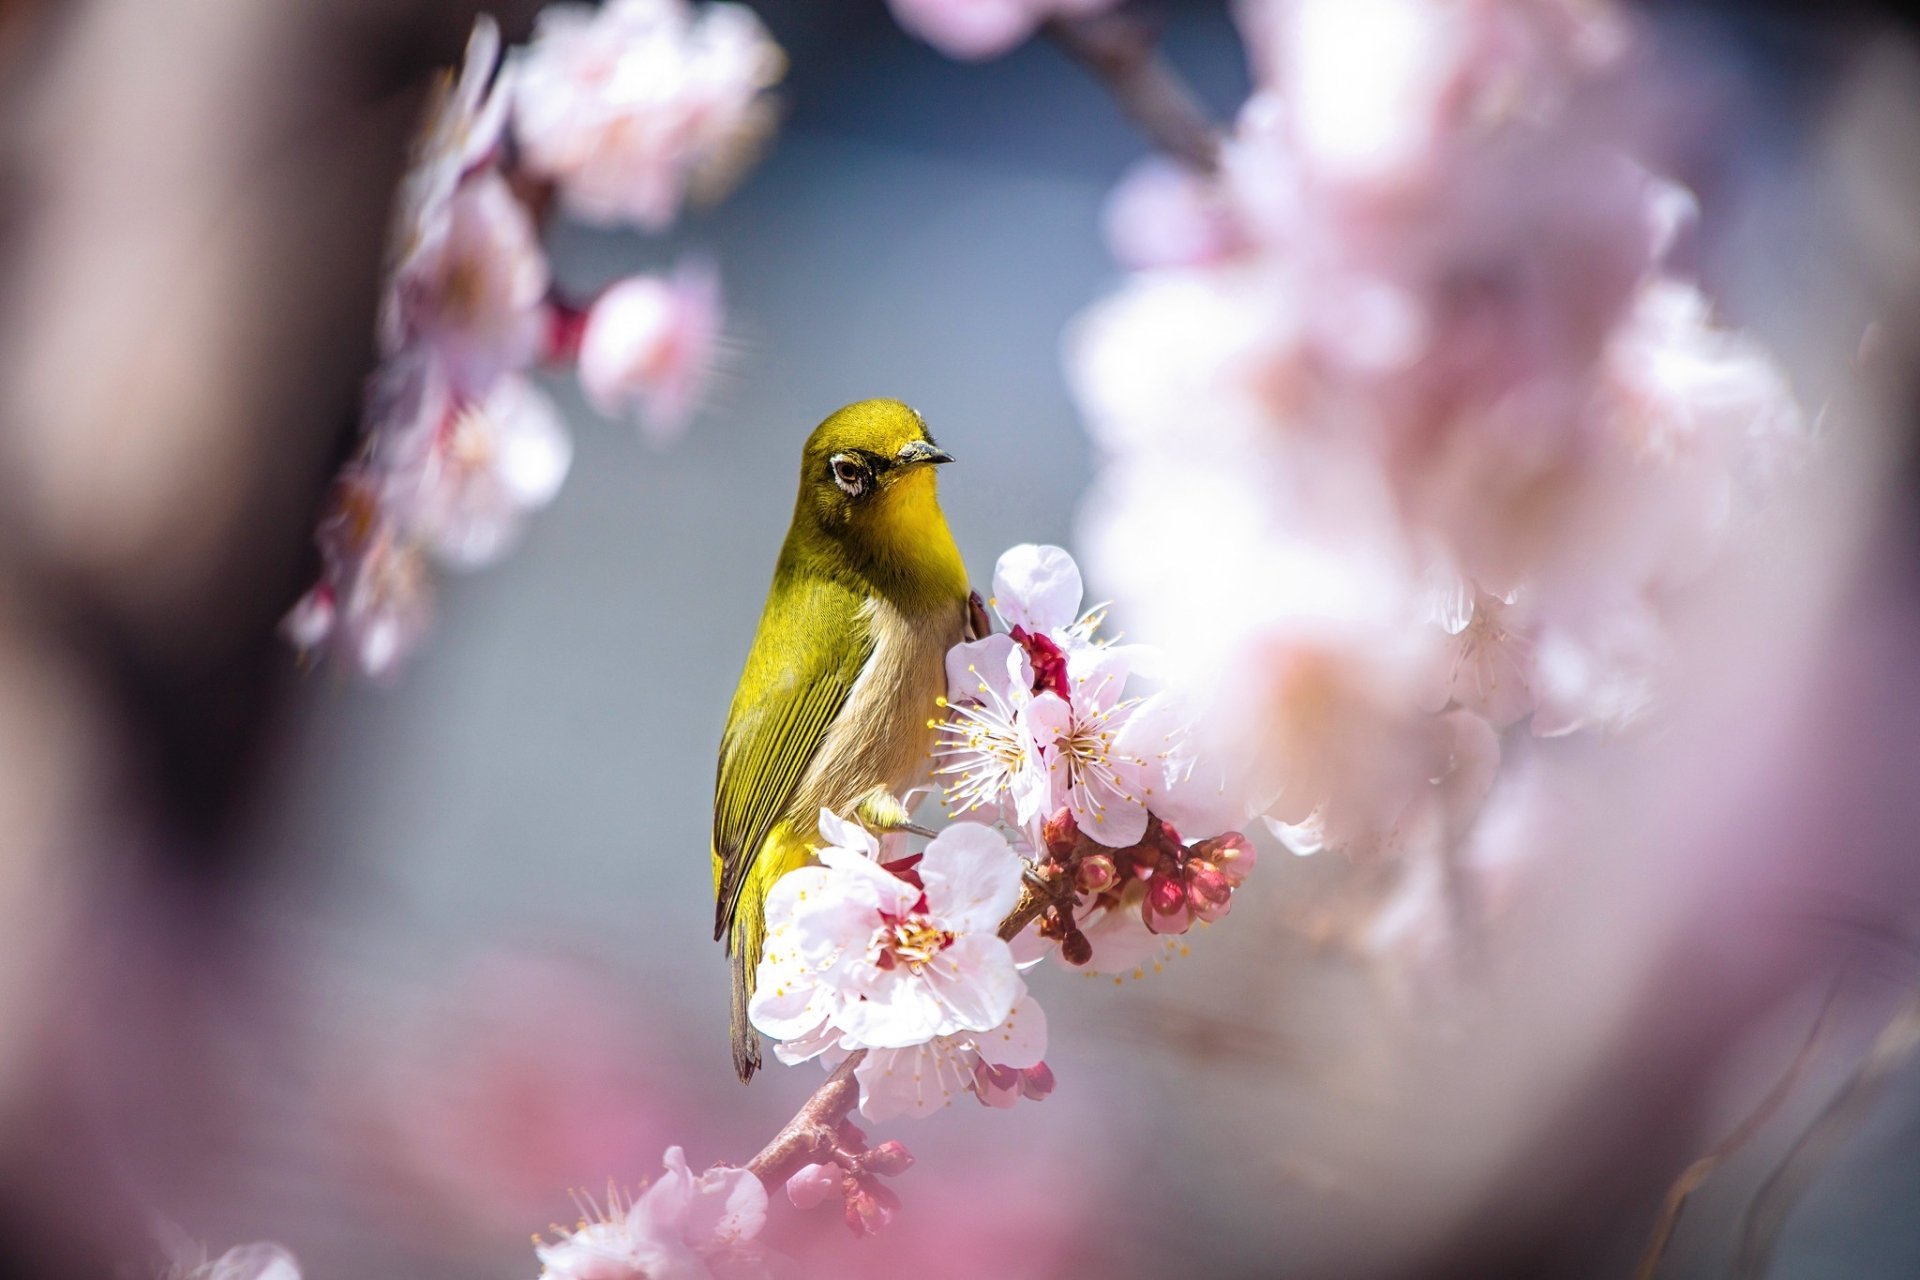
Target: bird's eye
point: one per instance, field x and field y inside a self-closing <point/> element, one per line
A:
<point x="850" y="474"/>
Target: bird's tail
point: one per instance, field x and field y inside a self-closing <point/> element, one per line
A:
<point x="749" y="933"/>
<point x="781" y="852"/>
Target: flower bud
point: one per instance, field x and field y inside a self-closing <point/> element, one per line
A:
<point x="1213" y="911"/>
<point x="1060" y="835"/>
<point x="1207" y="885"/>
<point x="988" y="1079"/>
<point x="813" y="1184"/>
<point x="870" y="1207"/>
<point x="1036" y="1082"/>
<point x="1176" y="922"/>
<point x="1233" y="853"/>
<point x="1075" y="949"/>
<point x="1166" y="895"/>
<point x="890" y="1159"/>
<point x="1095" y="874"/>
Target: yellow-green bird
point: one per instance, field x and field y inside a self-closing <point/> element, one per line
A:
<point x="835" y="707"/>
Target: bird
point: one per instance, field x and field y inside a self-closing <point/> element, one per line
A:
<point x="835" y="706"/>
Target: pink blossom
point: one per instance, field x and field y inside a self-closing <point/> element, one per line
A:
<point x="462" y="132"/>
<point x="1163" y="214"/>
<point x="1103" y="785"/>
<point x="921" y="1079"/>
<point x="857" y="957"/>
<point x="464" y="473"/>
<point x="472" y="296"/>
<point x="648" y="348"/>
<point x="625" y="106"/>
<point x="810" y="1186"/>
<point x="975" y="29"/>
<point x="987" y="747"/>
<point x="683" y="1226"/>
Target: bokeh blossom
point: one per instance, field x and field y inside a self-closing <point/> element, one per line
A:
<point x="683" y="1226"/>
<point x="648" y="347"/>
<point x="624" y="109"/>
<point x="626" y="106"/>
<point x="974" y="29"/>
<point x="1411" y="434"/>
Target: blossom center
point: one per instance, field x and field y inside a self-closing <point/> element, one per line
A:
<point x="912" y="941"/>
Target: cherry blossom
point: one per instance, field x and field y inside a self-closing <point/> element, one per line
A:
<point x="920" y="1079"/>
<point x="974" y="29"/>
<point x="626" y="106"/>
<point x="464" y="473"/>
<point x="473" y="294"/>
<point x="463" y="130"/>
<point x="1104" y="786"/>
<point x="684" y="1226"/>
<point x="648" y="348"/>
<point x="987" y="746"/>
<point x="858" y="957"/>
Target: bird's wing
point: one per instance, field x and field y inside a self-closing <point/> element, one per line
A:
<point x="814" y="640"/>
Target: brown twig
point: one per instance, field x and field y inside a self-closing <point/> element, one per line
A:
<point x="812" y="1136"/>
<point x="1700" y="1170"/>
<point x="1830" y="1129"/>
<point x="1118" y="49"/>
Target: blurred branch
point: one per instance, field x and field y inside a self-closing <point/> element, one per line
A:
<point x="1119" y="51"/>
<point x="813" y="1135"/>
<point x="1824" y="1137"/>
<point x="1695" y="1174"/>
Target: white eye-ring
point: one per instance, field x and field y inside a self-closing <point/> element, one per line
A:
<point x="850" y="474"/>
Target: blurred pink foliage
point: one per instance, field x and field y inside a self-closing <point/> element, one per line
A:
<point x="1409" y="435"/>
<point x="623" y="112"/>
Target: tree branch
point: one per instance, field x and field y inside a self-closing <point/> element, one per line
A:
<point x="1118" y="50"/>
<point x="1829" y="1131"/>
<point x="1700" y="1170"/>
<point x="813" y="1134"/>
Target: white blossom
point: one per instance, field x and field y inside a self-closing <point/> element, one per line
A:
<point x="683" y="1227"/>
<point x="857" y="957"/>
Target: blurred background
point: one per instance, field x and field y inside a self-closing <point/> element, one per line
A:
<point x="383" y="972"/>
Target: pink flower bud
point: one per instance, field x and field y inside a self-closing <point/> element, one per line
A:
<point x="890" y="1159"/>
<point x="1213" y="911"/>
<point x="1176" y="922"/>
<point x="1165" y="896"/>
<point x="813" y="1184"/>
<point x="1095" y="874"/>
<point x="1036" y="1082"/>
<point x="1233" y="853"/>
<point x="1060" y="835"/>
<point x="870" y="1207"/>
<point x="1207" y="885"/>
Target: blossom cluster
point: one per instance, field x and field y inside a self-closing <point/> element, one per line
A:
<point x="902" y="959"/>
<point x="619" y="114"/>
<point x="1411" y="434"/>
<point x="1042" y="734"/>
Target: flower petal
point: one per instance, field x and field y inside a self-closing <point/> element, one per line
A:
<point x="974" y="982"/>
<point x="972" y="878"/>
<point x="1036" y="587"/>
<point x="1020" y="1041"/>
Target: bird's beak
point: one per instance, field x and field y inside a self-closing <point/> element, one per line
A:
<point x="915" y="452"/>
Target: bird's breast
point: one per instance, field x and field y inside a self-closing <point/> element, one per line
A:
<point x="881" y="736"/>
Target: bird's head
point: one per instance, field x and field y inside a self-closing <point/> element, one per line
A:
<point x="867" y="483"/>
